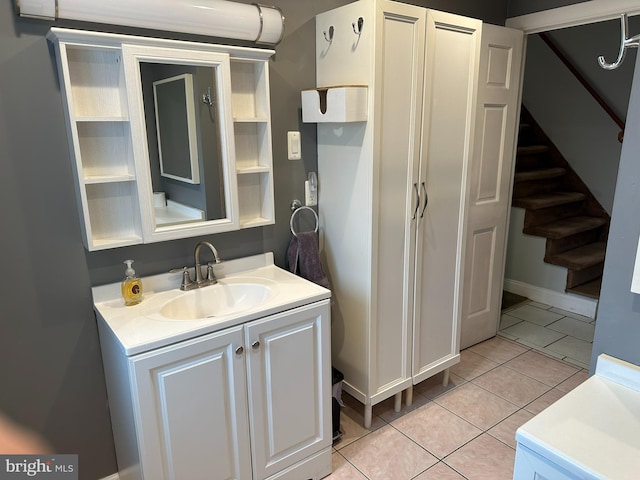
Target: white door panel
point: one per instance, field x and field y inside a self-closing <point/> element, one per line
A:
<point x="491" y="181"/>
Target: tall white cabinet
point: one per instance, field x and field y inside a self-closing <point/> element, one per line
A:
<point x="393" y="190"/>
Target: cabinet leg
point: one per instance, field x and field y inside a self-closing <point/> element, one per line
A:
<point x="409" y="399"/>
<point x="445" y="378"/>
<point x="397" y="402"/>
<point x="368" y="412"/>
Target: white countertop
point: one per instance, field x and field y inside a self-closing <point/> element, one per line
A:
<point x="140" y="328"/>
<point x="594" y="430"/>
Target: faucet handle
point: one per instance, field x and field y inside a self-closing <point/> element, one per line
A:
<point x="211" y="276"/>
<point x="186" y="278"/>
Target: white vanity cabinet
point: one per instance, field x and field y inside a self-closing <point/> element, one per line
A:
<point x="247" y="402"/>
<point x="393" y="188"/>
<point x="104" y="81"/>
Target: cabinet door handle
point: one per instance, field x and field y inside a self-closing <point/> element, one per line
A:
<point x="426" y="200"/>
<point x="239" y="350"/>
<point x="415" y="212"/>
<point x="255" y="345"/>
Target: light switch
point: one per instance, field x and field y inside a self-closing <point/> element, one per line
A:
<point x="293" y="143"/>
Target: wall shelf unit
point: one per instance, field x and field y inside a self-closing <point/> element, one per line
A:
<point x="252" y="130"/>
<point x="100" y="137"/>
<point x="107" y="135"/>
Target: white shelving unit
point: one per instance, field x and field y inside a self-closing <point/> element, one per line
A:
<point x="252" y="129"/>
<point x="112" y="170"/>
<point x="100" y="137"/>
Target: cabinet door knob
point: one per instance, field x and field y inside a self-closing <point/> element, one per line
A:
<point x="239" y="350"/>
<point x="255" y="345"/>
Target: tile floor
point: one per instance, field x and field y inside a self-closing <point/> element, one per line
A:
<point x="463" y="431"/>
<point x="561" y="334"/>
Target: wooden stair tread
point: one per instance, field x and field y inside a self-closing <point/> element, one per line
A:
<point x="539" y="174"/>
<point x="581" y="257"/>
<point x="590" y="289"/>
<point x="546" y="200"/>
<point x="566" y="227"/>
<point x="532" y="149"/>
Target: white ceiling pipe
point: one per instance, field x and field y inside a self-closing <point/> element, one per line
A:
<point x="216" y="18"/>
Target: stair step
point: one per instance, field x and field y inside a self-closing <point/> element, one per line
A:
<point x="539" y="174"/>
<point x="590" y="289"/>
<point x="545" y="200"/>
<point x="566" y="227"/>
<point x="532" y="150"/>
<point x="581" y="257"/>
<point x="576" y="278"/>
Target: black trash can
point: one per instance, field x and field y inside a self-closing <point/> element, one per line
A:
<point x="336" y="401"/>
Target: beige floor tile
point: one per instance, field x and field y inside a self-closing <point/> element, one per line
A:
<point x="544" y="369"/>
<point x="352" y="422"/>
<point x="574" y="348"/>
<point x="343" y="470"/>
<point x="507" y="321"/>
<point x="385" y="409"/>
<point x="573" y="381"/>
<point x="471" y="365"/>
<point x="440" y="471"/>
<point x="544" y="401"/>
<point x="484" y="458"/>
<point x="535" y="315"/>
<point x="511" y="385"/>
<point x="388" y="454"/>
<point x="432" y="387"/>
<point x="533" y="334"/>
<point x="574" y="328"/>
<point x="505" y="431"/>
<point x="436" y="429"/>
<point x="476" y="405"/>
<point x="498" y="349"/>
<point x="566" y="313"/>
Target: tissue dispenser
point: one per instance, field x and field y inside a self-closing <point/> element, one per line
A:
<point x="335" y="104"/>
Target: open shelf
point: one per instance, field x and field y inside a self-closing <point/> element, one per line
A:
<point x="255" y="194"/>
<point x="97" y="82"/>
<point x="113" y="214"/>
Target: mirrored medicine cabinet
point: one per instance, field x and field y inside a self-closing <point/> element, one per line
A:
<point x="169" y="139"/>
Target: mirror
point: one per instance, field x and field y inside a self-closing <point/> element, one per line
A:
<point x="177" y="133"/>
<point x="183" y="111"/>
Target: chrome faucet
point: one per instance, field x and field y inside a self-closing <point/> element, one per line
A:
<point x="200" y="281"/>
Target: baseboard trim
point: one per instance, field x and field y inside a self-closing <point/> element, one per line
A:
<point x="565" y="301"/>
<point x="115" y="476"/>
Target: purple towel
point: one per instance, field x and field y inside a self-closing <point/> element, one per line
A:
<point x="304" y="258"/>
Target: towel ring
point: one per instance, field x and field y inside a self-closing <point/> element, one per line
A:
<point x="299" y="209"/>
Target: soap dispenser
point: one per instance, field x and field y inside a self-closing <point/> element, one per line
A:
<point x="131" y="286"/>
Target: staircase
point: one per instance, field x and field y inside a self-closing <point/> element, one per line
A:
<point x="560" y="208"/>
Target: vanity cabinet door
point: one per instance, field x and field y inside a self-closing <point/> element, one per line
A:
<point x="288" y="362"/>
<point x="190" y="405"/>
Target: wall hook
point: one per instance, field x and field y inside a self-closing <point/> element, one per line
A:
<point x="206" y="98"/>
<point x="329" y="38"/>
<point x="357" y="27"/>
<point x="625" y="43"/>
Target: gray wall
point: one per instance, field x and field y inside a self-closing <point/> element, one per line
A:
<point x="618" y="320"/>
<point x="50" y="367"/>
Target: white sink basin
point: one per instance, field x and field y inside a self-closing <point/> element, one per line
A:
<point x="223" y="298"/>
